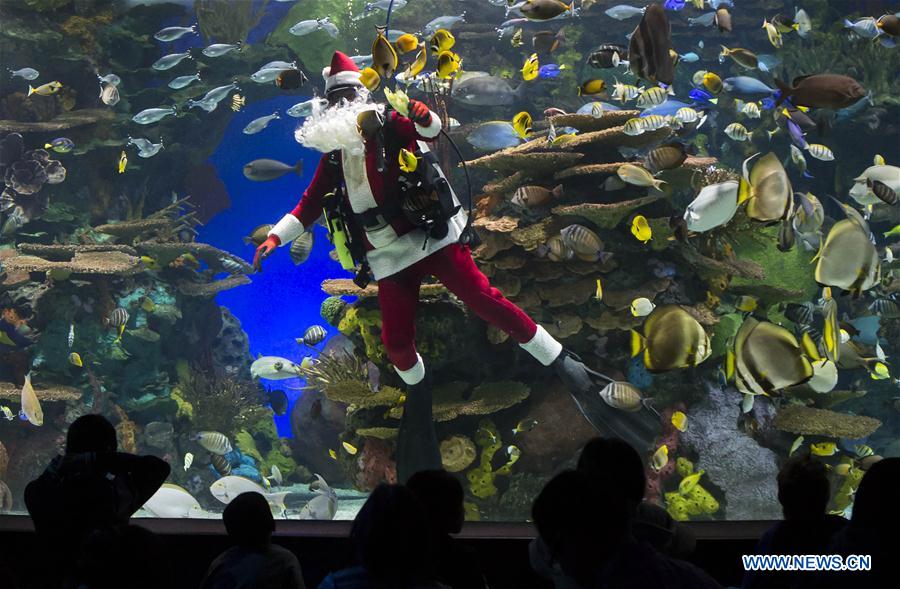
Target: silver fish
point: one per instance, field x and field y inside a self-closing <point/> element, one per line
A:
<point x="173" y="33"/>
<point x="280" y="65"/>
<point x="257" y="125"/>
<point x="301" y="248"/>
<point x="109" y="94"/>
<point x="153" y="115"/>
<point x="146" y="148"/>
<point x="219" y="49"/>
<point x="305" y="27"/>
<point x="167" y="62"/>
<point x="324" y="505"/>
<point x="264" y="76"/>
<point x="207" y="105"/>
<point x="26" y="73"/>
<point x="184" y="81"/>
<point x="231" y="266"/>
<point x="70" y="340"/>
<point x="274" y="368"/>
<point x="219" y="93"/>
<point x="305" y="108"/>
<point x="110" y="79"/>
<point x="442" y="22"/>
<point x="332" y="30"/>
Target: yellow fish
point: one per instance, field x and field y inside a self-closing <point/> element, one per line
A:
<point x="796" y="445"/>
<point x="878" y="160"/>
<point x="599" y="294"/>
<point x="843" y="469"/>
<point x="150" y="263"/>
<point x="398" y="100"/>
<point x="148" y="305"/>
<point x="45" y="90"/>
<point x="591" y="87"/>
<point x="332" y="454"/>
<point x="408" y="160"/>
<point x="689" y="482"/>
<point x="522" y="124"/>
<point x="406" y="43"/>
<point x="384" y="57"/>
<point x="524" y="426"/>
<point x="660" y="458"/>
<point x="350" y="448"/>
<point x="123" y="162"/>
<point x="679" y="420"/>
<point x="416" y="67"/>
<point x="237" y="102"/>
<point x="531" y="67"/>
<point x="809" y="346"/>
<point x="746" y="303"/>
<point x="370" y="79"/>
<point x="31" y="406"/>
<point x="729" y="364"/>
<point x="823" y="449"/>
<point x="516" y="40"/>
<point x="442" y="40"/>
<point x="712" y="82"/>
<point x="448" y="64"/>
<point x="640" y="228"/>
<point x="831" y="333"/>
<point x="863" y="451"/>
<point x="879" y="371"/>
<point x="75" y="360"/>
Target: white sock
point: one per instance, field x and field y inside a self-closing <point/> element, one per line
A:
<point x="543" y="347"/>
<point x="415" y="374"/>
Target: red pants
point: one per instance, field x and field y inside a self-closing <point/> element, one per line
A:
<point x="398" y="296"/>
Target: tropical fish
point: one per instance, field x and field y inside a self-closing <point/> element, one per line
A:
<point x="545" y="9"/>
<point x="214" y="442"/>
<point x="525" y="426"/>
<point x="26" y="73"/>
<point x="109" y="94"/>
<point x="530" y="68"/>
<point x="640" y="228"/>
<point x="766" y="189"/>
<point x="485" y="90"/>
<point x="146" y="148"/>
<point x="625" y="92"/>
<point x="46" y="89"/>
<point x="641" y="307"/>
<point x="312" y="336"/>
<point x="174" y="33"/>
<point x="714" y="206"/>
<point x="188" y="460"/>
<point x="228" y="487"/>
<point x="660" y="458"/>
<point x="522" y="124"/>
<point x="305" y="27"/>
<point x="384" y="57"/>
<point x="219" y="49"/>
<point x="167" y="62"/>
<point x="848" y="259"/>
<point x="820" y="152"/>
<point x="832" y="91"/>
<point x="712" y="82"/>
<point x="61" y="145"/>
<point x="622" y="395"/>
<point x="638" y="176"/>
<point x="598" y="293"/>
<point x="722" y="20"/>
<point x="798" y="441"/>
<point x="349" y="448"/>
<point x="448" y="64"/>
<point x="607" y="56"/>
<point x="398" y="100"/>
<point x="672" y="339"/>
<point x="493" y="135"/>
<point x="443" y="22"/>
<point x="172" y="501"/>
<point x="650" y="52"/>
<point x="153" y="115"/>
<point x="324" y="505"/>
<point x="31" y="407"/>
<point x="743" y="57"/>
<point x="884" y="192"/>
<point x="7" y="413"/>
<point x="823" y="449"/>
<point x="705" y="20"/>
<point x="768" y="358"/>
<point x="679" y="421"/>
<point x="407" y="160"/>
<point x="306" y="108"/>
<point x="667" y="156"/>
<point x="220" y="464"/>
<point x="623" y="11"/>
<point x="263" y="170"/>
<point x="257" y="125"/>
<point x="274" y="368"/>
<point x="442" y="40"/>
<point x="773" y="33"/>
<point x="75" y="359"/>
<point x="651" y="97"/>
<point x="585" y="243"/>
<point x="535" y="196"/>
<point x="862" y="193"/>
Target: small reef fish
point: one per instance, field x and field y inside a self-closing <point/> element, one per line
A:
<point x="188" y="460"/>
<point x="679" y="421"/>
<point x="493" y="135"/>
<point x="301" y="248"/>
<point x="638" y="176"/>
<point x="641" y="307"/>
<point x="7" y="413"/>
<point x="31" y="407"/>
<point x="305" y="27"/>
<point x="823" y="449"/>
<point x="384" y="57"/>
<point x="441" y="22"/>
<point x="46" y="89"/>
<point x="820" y="152"/>
<point x="228" y="487"/>
<point x="219" y="49"/>
<point x="257" y="125"/>
<point x="306" y="108"/>
<point x="70" y="339"/>
<point x="237" y="102"/>
<point x="349" y="448"/>
<point x="258" y="235"/>
<point x="153" y="115"/>
<point x="798" y="441"/>
<point x="623" y="396"/>
<point x="623" y="11"/>
<point x="75" y="359"/>
<point x="598" y="293"/>
<point x="535" y="196"/>
<point x="26" y="73"/>
<point x="584" y="243"/>
<point x="522" y="124"/>
<point x="61" y="145"/>
<point x="123" y="162"/>
<point x="672" y="339"/>
<point x="313" y="335"/>
<point x="118" y="318"/>
<point x="407" y="160"/>
<point x="525" y="426"/>
<point x="276" y="475"/>
<point x="324" y="505"/>
<point x="660" y="458"/>
<point x="689" y="482"/>
<point x="109" y="94"/>
<point x="264" y="170"/>
<point x="221" y="465"/>
<point x="214" y="442"/>
<point x="110" y="79"/>
<point x="167" y="62"/>
<point x="640" y="228"/>
<point x="174" y="33"/>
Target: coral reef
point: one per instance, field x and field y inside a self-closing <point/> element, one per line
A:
<point x="222" y="403"/>
<point x="457" y="453"/>
<point x="374" y="465"/>
<point x="451" y="400"/>
<point x="798" y="419"/>
<point x="482" y="478"/>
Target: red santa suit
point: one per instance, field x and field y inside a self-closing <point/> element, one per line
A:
<point x="395" y="251"/>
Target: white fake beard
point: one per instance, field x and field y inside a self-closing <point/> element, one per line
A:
<point x="334" y="128"/>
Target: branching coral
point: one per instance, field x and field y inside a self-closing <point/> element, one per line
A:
<point x="221" y="403"/>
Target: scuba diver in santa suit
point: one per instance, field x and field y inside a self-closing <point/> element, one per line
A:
<point x="363" y="168"/>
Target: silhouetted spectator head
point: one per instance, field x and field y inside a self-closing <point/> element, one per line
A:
<point x="91" y="433"/>
<point x="248" y="520"/>
<point x="615" y="463"/>
<point x="441" y="494"/>
<point x="875" y="506"/>
<point x="803" y="488"/>
<point x="390" y="535"/>
<point x="581" y="522"/>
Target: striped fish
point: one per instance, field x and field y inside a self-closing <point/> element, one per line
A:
<point x="882" y="191"/>
<point x="622" y="395"/>
<point x="633" y="127"/>
<point x="654" y="122"/>
<point x="887" y="308"/>
<point x="737" y="131"/>
<point x="118" y="318"/>
<point x="687" y="115"/>
<point x="231" y="266"/>
<point x="666" y="157"/>
<point x="820" y="152"/>
<point x="301" y="248"/>
<point x="313" y="335"/>
<point x="582" y="241"/>
<point x="214" y="442"/>
<point x="800" y="313"/>
<point x="221" y="464"/>
<point x="651" y="97"/>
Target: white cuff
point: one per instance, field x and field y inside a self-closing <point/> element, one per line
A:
<point x="415" y="374"/>
<point x="432" y="130"/>
<point x="543" y="347"/>
<point x="288" y="229"/>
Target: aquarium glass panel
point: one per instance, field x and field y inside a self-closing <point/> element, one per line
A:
<point x="305" y="247"/>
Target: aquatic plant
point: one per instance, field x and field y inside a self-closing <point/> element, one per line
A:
<point x="221" y="403"/>
<point x="227" y="21"/>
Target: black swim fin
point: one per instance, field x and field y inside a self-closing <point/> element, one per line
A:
<point x="417" y="444"/>
<point x="639" y="428"/>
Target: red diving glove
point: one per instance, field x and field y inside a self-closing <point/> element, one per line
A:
<point x="263" y="251"/>
<point x="419" y="113"/>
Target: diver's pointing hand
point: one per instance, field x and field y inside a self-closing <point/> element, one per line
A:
<point x="263" y="251"/>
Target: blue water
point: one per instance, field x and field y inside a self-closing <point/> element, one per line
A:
<point x="283" y="300"/>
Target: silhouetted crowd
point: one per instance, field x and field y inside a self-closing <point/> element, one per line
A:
<point x="594" y="529"/>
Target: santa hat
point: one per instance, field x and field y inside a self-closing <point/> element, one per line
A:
<point x="341" y="73"/>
